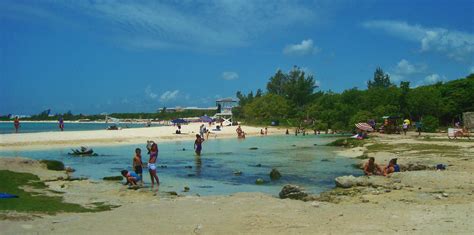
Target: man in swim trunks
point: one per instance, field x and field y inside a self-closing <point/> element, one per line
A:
<point x="153" y="151"/>
<point x="137" y="163"/>
<point x="131" y="177"/>
<point x="198" y="144"/>
<point x="371" y="168"/>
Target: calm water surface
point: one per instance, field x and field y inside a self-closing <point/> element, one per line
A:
<point x="28" y="127"/>
<point x="302" y="160"/>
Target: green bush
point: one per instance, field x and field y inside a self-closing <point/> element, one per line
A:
<point x="430" y="124"/>
<point x="53" y="165"/>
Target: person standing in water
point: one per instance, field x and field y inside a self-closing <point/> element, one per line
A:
<point x="16" y="124"/>
<point x="137" y="164"/>
<point x="198" y="144"/>
<point x="61" y="123"/>
<point x="153" y="151"/>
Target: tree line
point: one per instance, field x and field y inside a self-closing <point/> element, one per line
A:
<point x="291" y="98"/>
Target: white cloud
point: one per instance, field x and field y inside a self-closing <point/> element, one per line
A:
<point x="306" y="47"/>
<point x="454" y="44"/>
<point x="169" y="95"/>
<point x="230" y="76"/>
<point x="406" y="68"/>
<point x="396" y="77"/>
<point x="432" y="79"/>
<point x="150" y="94"/>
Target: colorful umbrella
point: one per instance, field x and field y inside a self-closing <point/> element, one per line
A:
<point x="364" y="126"/>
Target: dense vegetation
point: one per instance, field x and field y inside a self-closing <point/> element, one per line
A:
<point x="291" y="99"/>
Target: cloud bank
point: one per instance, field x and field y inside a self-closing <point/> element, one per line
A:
<point x="454" y="44"/>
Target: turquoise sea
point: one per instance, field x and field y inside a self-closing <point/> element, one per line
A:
<point x="302" y="160"/>
<point x="28" y="127"/>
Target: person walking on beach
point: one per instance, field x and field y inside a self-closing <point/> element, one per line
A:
<point x="61" y="123"/>
<point x="198" y="144"/>
<point x="138" y="164"/>
<point x="16" y="124"/>
<point x="153" y="151"/>
<point x="418" y="126"/>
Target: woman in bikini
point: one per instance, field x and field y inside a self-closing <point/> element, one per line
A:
<point x="198" y="144"/>
<point x="153" y="151"/>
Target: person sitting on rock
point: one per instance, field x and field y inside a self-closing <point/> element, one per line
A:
<point x="131" y="177"/>
<point x="392" y="167"/>
<point x="372" y="168"/>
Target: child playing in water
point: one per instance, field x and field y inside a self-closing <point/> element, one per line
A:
<point x="137" y="164"/>
<point x="131" y="178"/>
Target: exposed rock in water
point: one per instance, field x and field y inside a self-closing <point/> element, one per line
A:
<point x="253" y="148"/>
<point x="186" y="189"/>
<point x="275" y="174"/>
<point x="259" y="181"/>
<point x="69" y="169"/>
<point x="237" y="172"/>
<point x="292" y="192"/>
<point x="172" y="193"/>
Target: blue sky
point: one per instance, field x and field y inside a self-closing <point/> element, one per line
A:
<point x="137" y="56"/>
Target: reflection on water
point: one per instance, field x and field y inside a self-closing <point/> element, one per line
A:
<point x="198" y="163"/>
<point x="302" y="160"/>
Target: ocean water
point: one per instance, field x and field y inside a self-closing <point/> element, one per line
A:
<point x="28" y="127"/>
<point x="302" y="160"/>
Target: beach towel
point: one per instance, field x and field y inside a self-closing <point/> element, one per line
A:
<point x="7" y="195"/>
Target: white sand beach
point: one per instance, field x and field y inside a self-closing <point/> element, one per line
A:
<point x="113" y="137"/>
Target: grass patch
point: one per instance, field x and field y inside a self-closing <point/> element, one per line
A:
<point x="348" y="143"/>
<point x="53" y="165"/>
<point x="12" y="183"/>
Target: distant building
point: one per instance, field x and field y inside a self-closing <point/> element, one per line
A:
<point x="182" y="109"/>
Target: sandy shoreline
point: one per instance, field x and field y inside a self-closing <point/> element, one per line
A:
<point x="421" y="202"/>
<point x="48" y="140"/>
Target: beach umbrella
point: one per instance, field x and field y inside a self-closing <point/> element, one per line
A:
<point x="364" y="126"/>
<point x="179" y="121"/>
<point x="205" y="118"/>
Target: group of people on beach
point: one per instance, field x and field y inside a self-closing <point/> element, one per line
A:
<point x="372" y="168"/>
<point x="135" y="178"/>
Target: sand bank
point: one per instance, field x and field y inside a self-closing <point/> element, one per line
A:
<point x="42" y="140"/>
